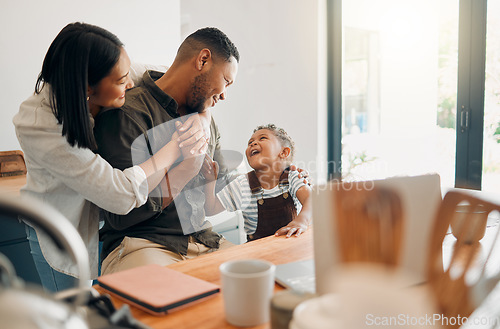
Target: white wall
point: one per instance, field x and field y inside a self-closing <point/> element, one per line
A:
<point x="279" y="70"/>
<point x="150" y="30"/>
<point x="278" y="74"/>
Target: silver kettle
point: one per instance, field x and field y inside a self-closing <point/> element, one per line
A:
<point x="24" y="306"/>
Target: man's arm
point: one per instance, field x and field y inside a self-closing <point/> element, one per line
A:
<point x="123" y="140"/>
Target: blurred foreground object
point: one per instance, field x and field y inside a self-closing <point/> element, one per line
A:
<point x="465" y="283"/>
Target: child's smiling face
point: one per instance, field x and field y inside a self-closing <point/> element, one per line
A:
<point x="264" y="150"/>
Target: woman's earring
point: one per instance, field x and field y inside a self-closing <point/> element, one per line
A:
<point x="88" y="97"/>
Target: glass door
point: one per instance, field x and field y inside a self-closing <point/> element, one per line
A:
<point x="491" y="133"/>
<point x="399" y="88"/>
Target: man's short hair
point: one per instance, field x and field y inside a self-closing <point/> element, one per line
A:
<point x="211" y="38"/>
<point x="283" y="137"/>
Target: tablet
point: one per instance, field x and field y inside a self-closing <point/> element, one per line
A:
<point x="157" y="289"/>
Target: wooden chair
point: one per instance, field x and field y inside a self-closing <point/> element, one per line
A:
<point x="369" y="231"/>
<point x="461" y="287"/>
<point x="12" y="163"/>
<point x="370" y="224"/>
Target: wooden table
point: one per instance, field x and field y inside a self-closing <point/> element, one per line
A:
<point x="279" y="250"/>
<point x="209" y="314"/>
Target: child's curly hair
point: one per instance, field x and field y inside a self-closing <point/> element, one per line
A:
<point x="283" y="137"/>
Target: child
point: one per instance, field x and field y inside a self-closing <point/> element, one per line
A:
<point x="273" y="199"/>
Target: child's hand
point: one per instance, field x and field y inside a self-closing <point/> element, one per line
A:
<point x="296" y="227"/>
<point x="210" y="169"/>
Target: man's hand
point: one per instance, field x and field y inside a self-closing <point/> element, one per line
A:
<point x="302" y="174"/>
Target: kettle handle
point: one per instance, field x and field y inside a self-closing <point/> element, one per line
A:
<point x="8" y="276"/>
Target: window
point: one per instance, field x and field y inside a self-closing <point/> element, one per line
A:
<point x="395" y="101"/>
<point x="491" y="133"/>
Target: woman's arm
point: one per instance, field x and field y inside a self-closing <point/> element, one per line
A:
<point x="156" y="167"/>
<point x="123" y="141"/>
<point x="48" y="154"/>
<point x="190" y="139"/>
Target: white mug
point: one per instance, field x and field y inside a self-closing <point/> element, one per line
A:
<point x="247" y="288"/>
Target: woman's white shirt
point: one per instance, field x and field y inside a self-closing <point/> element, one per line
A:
<point x="74" y="180"/>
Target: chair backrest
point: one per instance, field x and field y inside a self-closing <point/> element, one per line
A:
<point x="418" y="197"/>
<point x="12" y="163"/>
<point x="464" y="281"/>
<point x="369" y="225"/>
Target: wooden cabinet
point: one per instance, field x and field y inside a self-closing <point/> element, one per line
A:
<point x="15" y="246"/>
<point x="13" y="243"/>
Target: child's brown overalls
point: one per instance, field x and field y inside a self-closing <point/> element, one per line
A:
<point x="273" y="213"/>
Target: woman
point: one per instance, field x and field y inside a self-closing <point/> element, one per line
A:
<point x="85" y="69"/>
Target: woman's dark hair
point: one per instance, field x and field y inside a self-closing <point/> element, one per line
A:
<point x="80" y="56"/>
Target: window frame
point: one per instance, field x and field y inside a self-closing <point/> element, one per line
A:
<point x="470" y="91"/>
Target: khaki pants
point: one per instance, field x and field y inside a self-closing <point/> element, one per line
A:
<point x="134" y="252"/>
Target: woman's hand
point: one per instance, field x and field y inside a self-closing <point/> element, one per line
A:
<point x="194" y="133"/>
<point x="175" y="137"/>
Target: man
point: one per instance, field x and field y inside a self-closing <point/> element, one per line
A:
<point x="163" y="231"/>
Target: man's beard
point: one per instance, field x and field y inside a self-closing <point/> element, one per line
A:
<point x="198" y="98"/>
